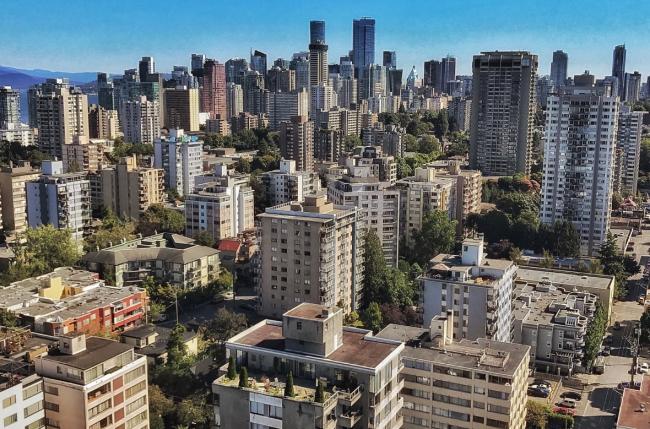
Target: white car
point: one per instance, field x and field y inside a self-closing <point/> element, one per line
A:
<point x="644" y="368"/>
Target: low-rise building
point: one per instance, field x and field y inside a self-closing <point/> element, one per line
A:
<point x="477" y="289"/>
<point x="633" y="412"/>
<point x="69" y="300"/>
<point x="151" y="341"/>
<point x="358" y="372"/>
<point x="447" y="383"/>
<point x="553" y="322"/>
<point x="169" y="258"/>
<point x="94" y="383"/>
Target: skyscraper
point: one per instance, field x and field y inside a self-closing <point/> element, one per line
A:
<point x="579" y="152"/>
<point x="317" y="54"/>
<point x="234" y="99"/>
<point x="316" y="32"/>
<point x="618" y="68"/>
<point x="235" y="70"/>
<point x="390" y="60"/>
<point x="197" y="64"/>
<point x="432" y="71"/>
<point x="628" y="150"/>
<point x="146" y="67"/>
<point x="363" y="44"/>
<point x="9" y="107"/>
<point x="182" y="108"/>
<point x="503" y="105"/>
<point x="258" y="62"/>
<point x="213" y="92"/>
<point x="632" y="87"/>
<point x="140" y="120"/>
<point x="447" y="72"/>
<point x="559" y="68"/>
<point x="106" y="92"/>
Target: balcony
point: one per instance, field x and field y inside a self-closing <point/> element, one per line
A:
<point x="349" y="398"/>
<point x="349" y="418"/>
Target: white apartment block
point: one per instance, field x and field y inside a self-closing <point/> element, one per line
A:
<point x="61" y="200"/>
<point x="180" y="156"/>
<point x="22" y="401"/>
<point x="309" y="252"/>
<point x="140" y="120"/>
<point x="286" y="184"/>
<point x="223" y="207"/>
<point x="579" y="154"/>
<point x="477" y="290"/>
<point x="322" y="97"/>
<point x="628" y="150"/>
<point x="379" y="204"/>
<point x="93" y="383"/>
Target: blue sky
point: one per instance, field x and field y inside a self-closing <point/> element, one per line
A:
<point x="83" y="35"/>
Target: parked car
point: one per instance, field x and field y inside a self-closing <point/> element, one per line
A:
<point x="644" y="368"/>
<point x="606" y="351"/>
<point x="541" y="382"/>
<point x="565" y="411"/>
<point x="567" y="403"/>
<point x="571" y="395"/>
<point x="608" y="340"/>
<point x="540" y="393"/>
<point x="642" y="300"/>
<point x="617" y="325"/>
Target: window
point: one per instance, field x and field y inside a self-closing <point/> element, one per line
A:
<point x="299" y="326"/>
<point x="135" y="389"/>
<point x="38" y="424"/>
<point x="33" y="409"/>
<point x="138" y="403"/>
<point x="133" y="374"/>
<point x="10" y="419"/>
<point x="137" y="420"/>
<point x="8" y="402"/>
<point x="99" y="408"/>
<point x="32" y="390"/>
<point x="52" y="390"/>
<point x="51" y="406"/>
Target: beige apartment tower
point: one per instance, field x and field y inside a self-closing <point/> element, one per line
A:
<point x="13" y="196"/>
<point x="129" y="190"/>
<point x="297" y="142"/>
<point x="309" y="252"/>
<point x="182" y="108"/>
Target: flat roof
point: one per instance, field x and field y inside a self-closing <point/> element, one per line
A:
<point x="358" y="346"/>
<point x="482" y="354"/>
<point x="634" y="412"/>
<point x="564" y="278"/>
<point x="310" y="311"/>
<point x="98" y="350"/>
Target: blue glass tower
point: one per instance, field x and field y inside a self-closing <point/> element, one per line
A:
<point x="363" y="44"/>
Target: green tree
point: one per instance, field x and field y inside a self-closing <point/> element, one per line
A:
<point x="288" y="387"/>
<point x="410" y="143"/>
<point x="352" y="141"/>
<point x="374" y="269"/>
<point x="645" y="326"/>
<point x="8" y="318"/>
<point x="176" y="348"/>
<point x="243" y="377"/>
<point x="112" y="231"/>
<point x="232" y="368"/>
<point x="319" y="396"/>
<point x="372" y="317"/>
<point x="352" y="319"/>
<point x="204" y="238"/>
<point x="160" y="406"/>
<point x="548" y="260"/>
<point x="516" y="255"/>
<point x="594" y="335"/>
<point x="428" y="144"/>
<point x="537" y="415"/>
<point x="158" y="218"/>
<point x="567" y="239"/>
<point x="225" y="325"/>
<point x="516" y="203"/>
<point x="438" y="235"/>
<point x="495" y="224"/>
<point x="40" y="250"/>
<point x="403" y="168"/>
<point x="194" y="411"/>
<point x="225" y="281"/>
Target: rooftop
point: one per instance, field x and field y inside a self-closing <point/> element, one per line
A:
<point x="490" y="356"/>
<point x="446" y="266"/>
<point x="566" y="279"/>
<point x="358" y="348"/>
<point x="546" y="303"/>
<point x="310" y="311"/>
<point x="159" y="346"/>
<point x="169" y="247"/>
<point x="98" y="350"/>
<point x="634" y="412"/>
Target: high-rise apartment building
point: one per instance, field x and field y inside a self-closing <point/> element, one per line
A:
<point x="632" y="87"/>
<point x="559" y="67"/>
<point x="61" y="200"/>
<point x="449" y="381"/>
<point x="146" y="68"/>
<point x="180" y="157"/>
<point x="322" y="97"/>
<point x="297" y="142"/>
<point x="234" y="100"/>
<point x="359" y="374"/>
<point x="258" y="63"/>
<point x="61" y="114"/>
<point x="281" y="80"/>
<point x="94" y="383"/>
<point x="21" y="395"/>
<point x="390" y="59"/>
<point x="618" y="69"/>
<point x="317" y="54"/>
<point x="140" y="120"/>
<point x="363" y="44"/>
<point x="628" y="150"/>
<point x="102" y="123"/>
<point x="235" y="69"/>
<point x="196" y="63"/>
<point x="223" y="208"/>
<point x="503" y="106"/>
<point x="84" y="155"/>
<point x="437" y="73"/>
<point x="13" y="196"/>
<point x="106" y="92"/>
<point x="286" y="184"/>
<point x="310" y="251"/>
<point x="182" y="108"/>
<point x="423" y="193"/>
<point x="579" y="152"/>
<point x="329" y="145"/>
<point x="213" y="91"/>
<point x="378" y="203"/>
<point x="460" y="109"/>
<point x="9" y="108"/>
<point x="478" y="291"/>
<point x="129" y="190"/>
<point x="285" y="105"/>
<point x="300" y="63"/>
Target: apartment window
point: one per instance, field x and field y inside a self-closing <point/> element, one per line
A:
<point x="38" y="424"/>
<point x="99" y="408"/>
<point x="135" y="389"/>
<point x="32" y="390"/>
<point x="51" y="406"/>
<point x="8" y="402"/>
<point x="33" y="409"/>
<point x="133" y="374"/>
<point x="138" y="403"/>
<point x="299" y="326"/>
<point x="137" y="420"/>
<point x="10" y="419"/>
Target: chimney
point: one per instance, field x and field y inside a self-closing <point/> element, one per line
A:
<point x="72" y="344"/>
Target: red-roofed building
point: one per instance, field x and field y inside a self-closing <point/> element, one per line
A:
<point x="634" y="412"/>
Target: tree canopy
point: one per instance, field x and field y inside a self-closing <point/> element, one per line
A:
<point x="158" y="218"/>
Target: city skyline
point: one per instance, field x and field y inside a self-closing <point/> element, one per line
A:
<point x="112" y="43"/>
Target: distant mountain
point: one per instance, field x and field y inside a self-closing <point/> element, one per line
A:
<point x="18" y="80"/>
<point x="78" y="77"/>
